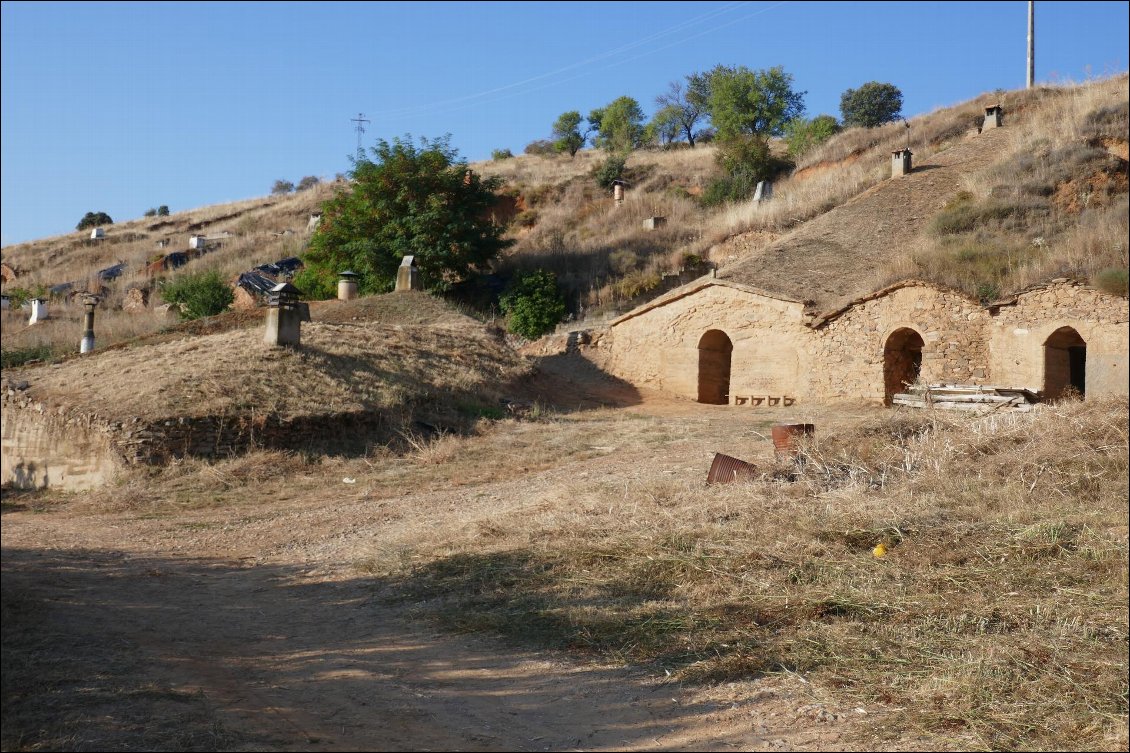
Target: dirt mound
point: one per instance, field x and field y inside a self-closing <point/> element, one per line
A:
<point x="832" y="259"/>
<point x="374" y="354"/>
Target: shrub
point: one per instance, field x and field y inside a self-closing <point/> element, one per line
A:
<point x="803" y="135"/>
<point x="307" y="182"/>
<point x="93" y="219"/>
<point x="610" y="170"/>
<point x="281" y="186"/>
<point x="151" y="212"/>
<point x="163" y="210"/>
<point x="498" y="155"/>
<point x="198" y="295"/>
<point x="1113" y="280"/>
<point x="13" y="357"/>
<point x="534" y="304"/>
<point x="541" y="148"/>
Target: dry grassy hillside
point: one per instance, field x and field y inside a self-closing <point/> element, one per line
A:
<point x="1043" y="197"/>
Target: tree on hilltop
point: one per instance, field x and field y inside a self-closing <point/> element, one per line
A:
<point x="872" y="104"/>
<point x="684" y="105"/>
<point x="567" y="136"/>
<point x="619" y="125"/>
<point x="93" y="219"/>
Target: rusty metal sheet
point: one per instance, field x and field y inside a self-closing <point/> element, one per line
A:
<point x="725" y="470"/>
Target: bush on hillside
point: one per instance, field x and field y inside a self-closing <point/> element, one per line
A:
<point x="534" y="304"/>
<point x="1114" y="281"/>
<point x="610" y="170"/>
<point x="541" y="148"/>
<point x="198" y="295"/>
<point x="407" y="200"/>
<point x="281" y="187"/>
<point x="498" y="155"/>
<point x="93" y="219"/>
<point x="307" y="183"/>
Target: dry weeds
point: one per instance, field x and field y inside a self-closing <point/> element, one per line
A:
<point x="997" y="619"/>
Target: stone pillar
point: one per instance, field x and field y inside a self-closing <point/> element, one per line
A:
<point x="618" y="193"/>
<point x="763" y="192"/>
<point x="408" y="275"/>
<point x="347" y="286"/>
<point x="900" y="162"/>
<point x="284" y="316"/>
<point x="87" y="343"/>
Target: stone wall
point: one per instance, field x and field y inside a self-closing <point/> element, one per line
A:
<point x="659" y="348"/>
<point x="1020" y="329"/>
<point x="41" y="447"/>
<point x="778" y="351"/>
<point x="851" y="346"/>
<point x="46" y="445"/>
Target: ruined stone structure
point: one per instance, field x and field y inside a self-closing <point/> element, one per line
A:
<point x="717" y="341"/>
<point x="408" y="275"/>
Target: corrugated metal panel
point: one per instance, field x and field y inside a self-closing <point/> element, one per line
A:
<point x="725" y="469"/>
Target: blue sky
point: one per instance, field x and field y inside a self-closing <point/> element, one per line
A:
<point x="119" y="107"/>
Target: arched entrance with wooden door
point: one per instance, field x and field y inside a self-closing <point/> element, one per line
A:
<point x="1065" y="363"/>
<point x="714" y="352"/>
<point x="902" y="361"/>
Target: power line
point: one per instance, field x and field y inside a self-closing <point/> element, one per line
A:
<point x="458" y="103"/>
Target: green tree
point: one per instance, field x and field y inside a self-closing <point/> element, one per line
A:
<point x="619" y="125"/>
<point x="405" y="201"/>
<point x="752" y="103"/>
<point x="307" y="183"/>
<point x="198" y="295"/>
<point x="684" y="105"/>
<point x="567" y="136"/>
<point x="93" y="219"/>
<point x="872" y="104"/>
<point x="664" y="128"/>
<point x="534" y="304"/>
<point x="802" y="134"/>
<point x="281" y="186"/>
<point x="163" y="210"/>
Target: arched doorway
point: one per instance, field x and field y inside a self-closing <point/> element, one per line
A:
<point x="902" y="361"/>
<point x="714" y="351"/>
<point x="1065" y="363"/>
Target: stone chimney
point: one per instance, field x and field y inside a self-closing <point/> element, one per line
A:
<point x="347" y="286"/>
<point x="284" y="316"/>
<point x="38" y="310"/>
<point x="408" y="275"/>
<point x="900" y="162"/>
<point x="993" y="118"/>
<point x="763" y="192"/>
<point x="618" y="192"/>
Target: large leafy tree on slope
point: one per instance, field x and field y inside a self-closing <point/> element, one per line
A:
<point x="405" y="201"/>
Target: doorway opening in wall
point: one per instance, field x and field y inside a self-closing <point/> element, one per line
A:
<point x="902" y="361"/>
<point x="714" y="352"/>
<point x="1065" y="364"/>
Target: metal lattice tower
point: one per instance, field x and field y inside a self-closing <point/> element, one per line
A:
<point x="359" y="120"/>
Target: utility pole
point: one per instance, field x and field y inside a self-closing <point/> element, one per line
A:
<point x="1031" y="43"/>
<point x="360" y="130"/>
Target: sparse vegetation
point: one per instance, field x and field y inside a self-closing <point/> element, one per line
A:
<point x="198" y="295"/>
<point x="997" y="619"/>
<point x="501" y="154"/>
<point x="281" y="187"/>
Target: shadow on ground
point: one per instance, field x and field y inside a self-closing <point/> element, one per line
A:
<point x="107" y="651"/>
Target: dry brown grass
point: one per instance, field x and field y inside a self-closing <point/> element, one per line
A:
<point x="370" y="355"/>
<point x="997" y="620"/>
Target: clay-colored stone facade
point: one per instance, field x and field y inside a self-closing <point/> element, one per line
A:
<point x="717" y="341"/>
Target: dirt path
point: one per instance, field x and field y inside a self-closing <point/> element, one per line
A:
<point x="265" y="636"/>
